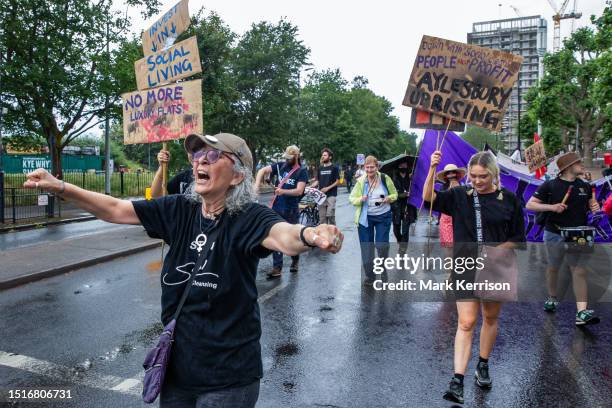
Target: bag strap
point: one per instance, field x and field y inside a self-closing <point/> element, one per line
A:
<point x="284" y="180"/>
<point x="213" y="233"/>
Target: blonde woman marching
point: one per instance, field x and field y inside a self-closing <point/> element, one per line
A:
<point x="501" y="225"/>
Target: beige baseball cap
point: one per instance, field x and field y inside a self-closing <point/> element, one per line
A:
<point x="226" y="142"/>
<point x="291" y="151"/>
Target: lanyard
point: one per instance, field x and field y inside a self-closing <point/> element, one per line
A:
<point x="372" y="187"/>
<point x="479" y="234"/>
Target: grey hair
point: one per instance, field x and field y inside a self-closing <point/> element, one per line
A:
<point x="487" y="160"/>
<point x="238" y="196"/>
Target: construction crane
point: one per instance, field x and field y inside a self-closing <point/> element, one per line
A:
<point x="557" y="17"/>
<point x="516" y="10"/>
<point x="573" y="19"/>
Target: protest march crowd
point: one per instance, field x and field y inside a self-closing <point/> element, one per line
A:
<point x="212" y="223"/>
<point x="209" y="353"/>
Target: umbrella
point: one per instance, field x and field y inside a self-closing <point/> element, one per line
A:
<point x="388" y="166"/>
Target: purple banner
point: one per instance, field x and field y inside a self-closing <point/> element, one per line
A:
<point x="457" y="151"/>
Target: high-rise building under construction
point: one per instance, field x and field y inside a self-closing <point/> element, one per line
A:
<point x="525" y="36"/>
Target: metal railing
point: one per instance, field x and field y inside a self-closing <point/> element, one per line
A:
<point x="20" y="203"/>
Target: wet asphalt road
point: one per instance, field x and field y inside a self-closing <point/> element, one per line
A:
<point x="327" y="342"/>
<point x="53" y="233"/>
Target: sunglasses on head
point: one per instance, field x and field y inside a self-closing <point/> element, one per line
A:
<point x="211" y="155"/>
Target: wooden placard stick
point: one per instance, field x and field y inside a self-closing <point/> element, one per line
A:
<point x="164" y="173"/>
<point x="444" y="137"/>
<point x="569" y="190"/>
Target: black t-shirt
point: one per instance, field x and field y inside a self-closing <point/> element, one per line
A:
<point x="281" y="170"/>
<point x="217" y="333"/>
<point x="553" y="191"/>
<point x="328" y="175"/>
<point x="179" y="183"/>
<point x="502" y="220"/>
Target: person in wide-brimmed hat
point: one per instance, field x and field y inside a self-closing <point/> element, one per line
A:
<point x="450" y="177"/>
<point x="216" y="353"/>
<point x="452" y="172"/>
<point x="566" y="200"/>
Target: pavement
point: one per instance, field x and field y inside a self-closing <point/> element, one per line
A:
<point x="68" y="215"/>
<point x="29" y="263"/>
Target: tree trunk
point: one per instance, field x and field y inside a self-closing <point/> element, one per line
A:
<point x="587" y="146"/>
<point x="57" y="165"/>
<point x="564" y="138"/>
<point x="54" y="140"/>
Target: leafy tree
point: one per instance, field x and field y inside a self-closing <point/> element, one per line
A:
<point x="265" y="65"/>
<point x="348" y="120"/>
<point x="215" y="44"/>
<point x="54" y="68"/>
<point x="478" y="137"/>
<point x="24" y="143"/>
<point x="577" y="87"/>
<point x="324" y="117"/>
<point x="407" y="143"/>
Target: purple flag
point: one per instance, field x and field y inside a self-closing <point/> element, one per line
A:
<point x="457" y="151"/>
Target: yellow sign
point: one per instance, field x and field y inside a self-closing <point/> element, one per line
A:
<point x="165" y="30"/>
<point x="164" y="113"/>
<point x="177" y="62"/>
<point x="535" y="156"/>
<point x="463" y="82"/>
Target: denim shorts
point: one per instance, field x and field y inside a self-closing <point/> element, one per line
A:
<point x="556" y="251"/>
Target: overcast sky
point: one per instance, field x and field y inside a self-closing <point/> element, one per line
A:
<point x="377" y="39"/>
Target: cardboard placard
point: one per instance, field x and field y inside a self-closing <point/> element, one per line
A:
<point x="177" y="62"/>
<point x="360" y="159"/>
<point x="535" y="156"/>
<point x="464" y="82"/>
<point x="420" y="119"/>
<point x="165" y="30"/>
<point x="164" y="113"/>
<point x="317" y="195"/>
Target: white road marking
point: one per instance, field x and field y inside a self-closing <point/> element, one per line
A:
<point x="126" y="385"/>
<point x="63" y="373"/>
<point x="572" y="363"/>
<point x="273" y="291"/>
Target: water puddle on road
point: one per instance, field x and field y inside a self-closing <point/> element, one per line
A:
<point x="287" y="349"/>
